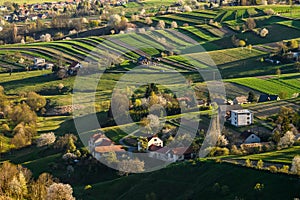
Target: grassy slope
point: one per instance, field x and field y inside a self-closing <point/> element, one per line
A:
<point x="186" y="181"/>
<point x="272" y="85"/>
<point x="281" y="156"/>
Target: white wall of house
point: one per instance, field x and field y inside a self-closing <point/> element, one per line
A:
<point x="241" y="117"/>
<point x="39" y="61"/>
<point x="155" y="141"/>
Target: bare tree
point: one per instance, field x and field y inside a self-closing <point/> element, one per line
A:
<point x="58" y="191"/>
<point x="161" y="24"/>
<point x="174" y="24"/>
<point x="148" y="20"/>
<point x="296" y="165"/>
<point x="130" y="166"/>
<point x="46" y="139"/>
<point x="287" y="140"/>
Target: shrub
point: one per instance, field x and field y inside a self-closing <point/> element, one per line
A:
<point x="94" y="23"/>
<point x="59" y="191"/>
<point x="148" y="20"/>
<point x="58" y="35"/>
<point x="250" y="23"/>
<point x="259" y="187"/>
<point x="269" y="11"/>
<point x="161" y="24"/>
<point x="296" y="165"/>
<point x="46" y="139"/>
<point x="87" y="187"/>
<point x="29" y="39"/>
<point x="235" y="151"/>
<point x="272" y="169"/>
<point x="260" y="164"/>
<point x="248" y="163"/>
<point x="174" y="24"/>
<point x="284" y="169"/>
<point x="187" y="8"/>
<point x="5" y="128"/>
<point x="218" y="151"/>
<point x="264" y="32"/>
<point x="287" y="140"/>
<point x="46" y="38"/>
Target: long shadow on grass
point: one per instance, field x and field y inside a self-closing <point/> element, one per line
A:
<point x="11" y="85"/>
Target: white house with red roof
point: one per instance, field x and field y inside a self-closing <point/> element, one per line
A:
<point x="153" y="142"/>
<point x="99" y="144"/>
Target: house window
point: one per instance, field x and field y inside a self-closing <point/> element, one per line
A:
<point x="155" y="140"/>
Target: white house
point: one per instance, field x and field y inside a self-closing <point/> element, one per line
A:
<point x="3" y="8"/>
<point x="153" y="141"/>
<point x="39" y="61"/>
<point x="241" y="117"/>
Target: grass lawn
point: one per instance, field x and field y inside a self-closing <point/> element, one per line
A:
<point x="282" y="156"/>
<point x="272" y="85"/>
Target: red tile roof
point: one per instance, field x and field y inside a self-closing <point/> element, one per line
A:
<point x="154" y="147"/>
<point x="112" y="148"/>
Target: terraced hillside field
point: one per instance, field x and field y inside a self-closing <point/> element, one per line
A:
<point x="271" y="84"/>
<point x="265" y="110"/>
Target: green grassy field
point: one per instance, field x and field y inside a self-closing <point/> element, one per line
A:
<point x="22" y="1"/>
<point x="181" y="180"/>
<point x="187" y="181"/>
<point x="272" y="84"/>
<point x="282" y="156"/>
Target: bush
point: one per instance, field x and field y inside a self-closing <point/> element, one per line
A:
<point x="58" y="35"/>
<point x="260" y="164"/>
<point x="94" y="23"/>
<point x="29" y="39"/>
<point x="46" y="139"/>
<point x="272" y="169"/>
<point x="296" y="165"/>
<point x="46" y="37"/>
<point x="264" y="32"/>
<point x="218" y="151"/>
<point x="5" y="128"/>
<point x="269" y="11"/>
<point x="87" y="187"/>
<point x="284" y="169"/>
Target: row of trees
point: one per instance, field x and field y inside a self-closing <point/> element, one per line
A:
<point x="21" y="117"/>
<point x="287" y="123"/>
<point x="295" y="168"/>
<point x="16" y="182"/>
